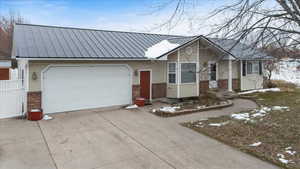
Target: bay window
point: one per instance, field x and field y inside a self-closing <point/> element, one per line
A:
<point x="188" y="72"/>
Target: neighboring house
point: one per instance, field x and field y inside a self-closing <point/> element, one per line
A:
<point x="5" y="60"/>
<point x="68" y="69"/>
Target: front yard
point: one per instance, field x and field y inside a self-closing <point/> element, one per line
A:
<point x="271" y="132"/>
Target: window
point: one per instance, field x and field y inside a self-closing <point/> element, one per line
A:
<point x="213" y="71"/>
<point x="172" y="72"/>
<point x="249" y="67"/>
<point x="253" y="67"/>
<point x="188" y="72"/>
<point x="244" y="68"/>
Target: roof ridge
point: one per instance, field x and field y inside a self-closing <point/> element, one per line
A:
<point x="182" y="37"/>
<point x="66" y="27"/>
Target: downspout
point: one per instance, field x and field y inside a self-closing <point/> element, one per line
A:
<point x="178" y="73"/>
<point x="230" y="74"/>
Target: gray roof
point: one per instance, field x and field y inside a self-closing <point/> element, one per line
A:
<point x="239" y="50"/>
<point x="39" y="41"/>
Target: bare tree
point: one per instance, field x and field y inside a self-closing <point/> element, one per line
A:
<point x="6" y="25"/>
<point x="270" y="67"/>
<point x="259" y="22"/>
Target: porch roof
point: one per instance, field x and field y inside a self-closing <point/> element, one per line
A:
<point x="240" y="50"/>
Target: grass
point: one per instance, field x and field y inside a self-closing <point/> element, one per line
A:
<point x="277" y="130"/>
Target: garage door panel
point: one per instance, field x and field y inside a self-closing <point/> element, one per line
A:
<point x="75" y="88"/>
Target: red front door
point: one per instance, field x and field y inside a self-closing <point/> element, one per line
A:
<point x="4" y="74"/>
<point x="145" y="84"/>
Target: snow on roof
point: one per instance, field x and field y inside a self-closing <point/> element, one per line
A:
<point x="160" y="48"/>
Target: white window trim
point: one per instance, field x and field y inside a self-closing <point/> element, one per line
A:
<point x="195" y="72"/>
<point x="176" y="77"/>
<point x="252" y="62"/>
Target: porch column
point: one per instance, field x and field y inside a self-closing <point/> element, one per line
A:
<point x="230" y="74"/>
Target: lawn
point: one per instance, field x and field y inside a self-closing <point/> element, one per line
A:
<point x="271" y="132"/>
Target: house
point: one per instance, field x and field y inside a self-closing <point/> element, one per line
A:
<point x="68" y="69"/>
<point x="5" y="60"/>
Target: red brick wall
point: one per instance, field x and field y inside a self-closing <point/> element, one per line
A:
<point x="203" y="86"/>
<point x="159" y="90"/>
<point x="236" y="84"/>
<point x="135" y="91"/>
<point x="34" y="100"/>
<point x="223" y="84"/>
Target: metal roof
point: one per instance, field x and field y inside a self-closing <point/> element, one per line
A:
<point x="240" y="50"/>
<point x="39" y="41"/>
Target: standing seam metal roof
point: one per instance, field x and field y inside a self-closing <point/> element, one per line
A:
<point x="39" y="41"/>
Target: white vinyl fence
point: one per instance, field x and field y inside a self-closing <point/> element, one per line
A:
<point x="12" y="98"/>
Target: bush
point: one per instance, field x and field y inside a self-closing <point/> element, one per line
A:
<point x="269" y="84"/>
<point x="284" y="84"/>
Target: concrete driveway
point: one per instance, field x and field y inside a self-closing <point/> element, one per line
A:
<point x="127" y="139"/>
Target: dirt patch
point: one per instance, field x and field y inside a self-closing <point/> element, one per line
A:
<point x="271" y="133"/>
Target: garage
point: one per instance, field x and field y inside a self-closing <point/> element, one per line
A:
<point x="76" y="87"/>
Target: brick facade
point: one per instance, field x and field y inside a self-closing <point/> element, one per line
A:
<point x="135" y="91"/>
<point x="159" y="90"/>
<point x="203" y="86"/>
<point x="236" y="84"/>
<point x="223" y="84"/>
<point x="34" y="100"/>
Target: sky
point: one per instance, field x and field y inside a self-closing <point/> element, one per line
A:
<point x="124" y="15"/>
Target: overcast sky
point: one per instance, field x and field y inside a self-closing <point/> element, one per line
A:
<point x="126" y="15"/>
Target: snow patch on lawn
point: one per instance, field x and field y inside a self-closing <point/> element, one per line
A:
<point x="282" y="159"/>
<point x="280" y="108"/>
<point x="290" y="151"/>
<point x="255" y="144"/>
<point x="287" y="71"/>
<point x="218" y="124"/>
<point x="260" y="91"/>
<point x="159" y="49"/>
<point x="169" y="109"/>
<point x="241" y="116"/>
<point x="258" y="113"/>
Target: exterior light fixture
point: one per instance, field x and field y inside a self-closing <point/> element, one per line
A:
<point x="34" y="76"/>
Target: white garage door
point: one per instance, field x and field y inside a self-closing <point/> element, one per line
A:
<point x="67" y="88"/>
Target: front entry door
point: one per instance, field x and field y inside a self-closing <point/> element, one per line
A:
<point x="4" y="74"/>
<point x="213" y="67"/>
<point x="145" y="86"/>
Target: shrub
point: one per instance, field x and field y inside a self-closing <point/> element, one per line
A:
<point x="284" y="85"/>
<point x="269" y="84"/>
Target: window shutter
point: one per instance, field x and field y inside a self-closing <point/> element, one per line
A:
<point x="244" y="68"/>
<point x="260" y="67"/>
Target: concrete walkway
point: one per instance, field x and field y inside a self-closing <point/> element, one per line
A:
<point x="127" y="139"/>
